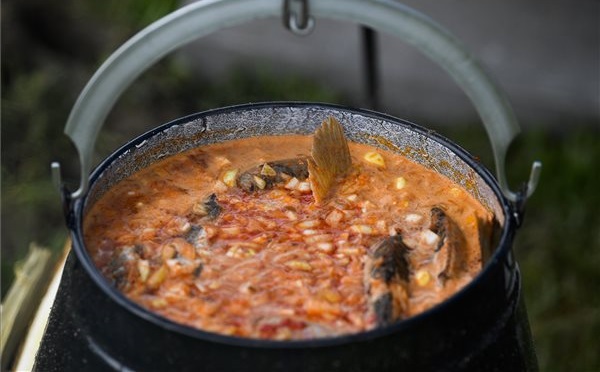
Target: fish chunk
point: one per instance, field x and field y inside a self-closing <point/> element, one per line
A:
<point x="266" y="175"/>
<point x="196" y="236"/>
<point x="120" y="266"/>
<point x="386" y="280"/>
<point x="209" y="207"/>
<point x="447" y="258"/>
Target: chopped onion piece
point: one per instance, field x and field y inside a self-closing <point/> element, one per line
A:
<point x="362" y="229"/>
<point x="157" y="277"/>
<point x="231" y="231"/>
<point x="144" y="269"/>
<point x="299" y="265"/>
<point x="429" y="237"/>
<point x="352" y="251"/>
<point x="292" y="184"/>
<point x="413" y="218"/>
<point x="267" y="170"/>
<point x="334" y="218"/>
<point x="307" y="224"/>
<point x="330" y="296"/>
<point x="304" y="187"/>
<point x="221" y="161"/>
<point x="311" y="239"/>
<point x="229" y="178"/>
<point x="185" y="226"/>
<point x="291" y="215"/>
<point x="326" y="247"/>
<point x="260" y="182"/>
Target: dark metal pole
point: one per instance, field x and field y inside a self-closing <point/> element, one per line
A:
<point x="370" y="66"/>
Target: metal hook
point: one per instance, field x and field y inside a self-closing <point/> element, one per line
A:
<point x="56" y="175"/>
<point x="528" y="188"/>
<point x="65" y="194"/>
<point x="519" y="198"/>
<point x="296" y="17"/>
<point x="534" y="177"/>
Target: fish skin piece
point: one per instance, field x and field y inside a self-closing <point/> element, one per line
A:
<point x="330" y="159"/>
<point x="212" y="206"/>
<point x="391" y="252"/>
<point x="439" y="225"/>
<point x="120" y="266"/>
<point x="383" y="307"/>
<point x="209" y="208"/>
<point x="387" y="279"/>
<point x="297" y="167"/>
<point x="447" y="257"/>
<point x="196" y="236"/>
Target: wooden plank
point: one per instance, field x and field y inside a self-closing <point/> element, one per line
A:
<point x="26" y="357"/>
<point x="22" y="299"/>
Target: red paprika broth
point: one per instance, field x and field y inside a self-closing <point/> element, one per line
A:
<point x="270" y="263"/>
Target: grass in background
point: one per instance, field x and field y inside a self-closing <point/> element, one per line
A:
<point x="559" y="249"/>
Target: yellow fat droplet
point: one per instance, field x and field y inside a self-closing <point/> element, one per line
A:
<point x="423" y="277"/>
<point x="299" y="265"/>
<point x="400" y="183"/>
<point x="455" y="192"/>
<point x="375" y="158"/>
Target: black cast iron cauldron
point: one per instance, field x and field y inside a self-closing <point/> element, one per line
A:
<point x="482" y="327"/>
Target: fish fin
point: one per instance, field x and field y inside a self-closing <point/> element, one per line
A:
<point x="330" y="158"/>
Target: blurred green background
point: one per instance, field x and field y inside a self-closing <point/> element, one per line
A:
<point x="50" y="49"/>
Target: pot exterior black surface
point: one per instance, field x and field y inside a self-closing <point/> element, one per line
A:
<point x="483" y="327"/>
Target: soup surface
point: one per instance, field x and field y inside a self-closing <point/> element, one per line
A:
<point x="215" y="239"/>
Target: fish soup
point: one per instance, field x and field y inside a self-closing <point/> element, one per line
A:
<point x="228" y="238"/>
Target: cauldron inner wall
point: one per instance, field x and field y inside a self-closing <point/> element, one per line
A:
<point x="215" y="126"/>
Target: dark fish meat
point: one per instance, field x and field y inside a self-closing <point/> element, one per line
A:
<point x="209" y="207"/>
<point x="439" y="225"/>
<point x="386" y="280"/>
<point x="447" y="257"/>
<point x="120" y="267"/>
<point x="196" y="236"/>
<point x="266" y="175"/>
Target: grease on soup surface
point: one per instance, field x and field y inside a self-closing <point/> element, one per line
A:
<point x="227" y="238"/>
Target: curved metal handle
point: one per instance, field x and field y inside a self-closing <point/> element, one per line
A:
<point x="203" y="17"/>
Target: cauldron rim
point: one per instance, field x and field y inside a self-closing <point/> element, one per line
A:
<point x="75" y="223"/>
